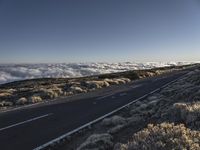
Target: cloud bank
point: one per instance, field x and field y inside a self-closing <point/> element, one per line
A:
<point x="14" y="72"/>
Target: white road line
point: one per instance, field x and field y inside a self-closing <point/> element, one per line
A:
<point x="135" y="86"/>
<point x="122" y="94"/>
<point x="27" y="121"/>
<point x="100" y="118"/>
<point x="108" y="95"/>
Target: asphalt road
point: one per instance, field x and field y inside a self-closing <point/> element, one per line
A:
<point x="28" y="128"/>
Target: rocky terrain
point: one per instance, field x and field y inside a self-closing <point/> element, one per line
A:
<point x="38" y="90"/>
<point x="168" y="119"/>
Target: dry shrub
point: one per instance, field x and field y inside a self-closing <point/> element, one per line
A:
<point x="91" y="85"/>
<point x="57" y="90"/>
<point x="102" y="83"/>
<point x="97" y="142"/>
<point x="50" y="92"/>
<point x="5" y="94"/>
<point x="188" y="112"/>
<point x="135" y="120"/>
<point x="113" y="121"/>
<point x="47" y="93"/>
<point x="22" y="101"/>
<point x="149" y="74"/>
<point x="76" y="89"/>
<point x="120" y="81"/>
<point x="164" y="136"/>
<point x="116" y="129"/>
<point x="138" y="108"/>
<point x="143" y="106"/>
<point x="68" y="93"/>
<point x="5" y="103"/>
<point x="95" y="84"/>
<point x="35" y="99"/>
<point x="138" y="103"/>
<point x="126" y="79"/>
<point x="111" y="81"/>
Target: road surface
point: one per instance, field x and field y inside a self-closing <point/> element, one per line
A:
<point x="28" y="128"/>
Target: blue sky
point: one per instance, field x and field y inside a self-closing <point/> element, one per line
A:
<point x="39" y="31"/>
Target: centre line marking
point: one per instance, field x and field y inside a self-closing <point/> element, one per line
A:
<point x="27" y="121"/>
<point x="136" y="86"/>
<point x="105" y="96"/>
<point x="122" y="94"/>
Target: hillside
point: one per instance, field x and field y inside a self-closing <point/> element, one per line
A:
<point x="44" y="89"/>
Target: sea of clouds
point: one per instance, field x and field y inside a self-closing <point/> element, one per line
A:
<point x="14" y="72"/>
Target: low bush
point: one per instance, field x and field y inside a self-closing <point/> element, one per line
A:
<point x="5" y="94"/>
<point x="113" y="121"/>
<point x="35" y="99"/>
<point x="47" y="93"/>
<point x="112" y="81"/>
<point x="188" y="112"/>
<point x="22" y="101"/>
<point x="76" y="89"/>
<point x="164" y="136"/>
<point x="5" y="103"/>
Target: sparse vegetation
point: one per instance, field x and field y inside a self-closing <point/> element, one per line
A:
<point x="189" y="113"/>
<point x="113" y="121"/>
<point x="165" y="120"/>
<point x="35" y="99"/>
<point x="5" y="103"/>
<point x="37" y="90"/>
<point x="22" y="101"/>
<point x="163" y="136"/>
<point x="47" y="93"/>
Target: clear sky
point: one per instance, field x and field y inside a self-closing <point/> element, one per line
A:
<point x="36" y="31"/>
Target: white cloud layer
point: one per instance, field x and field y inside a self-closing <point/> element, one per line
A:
<point x="13" y="72"/>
